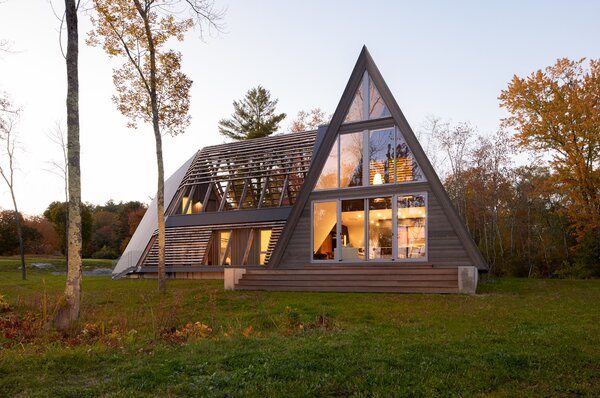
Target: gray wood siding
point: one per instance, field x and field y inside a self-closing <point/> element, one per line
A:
<point x="444" y="246"/>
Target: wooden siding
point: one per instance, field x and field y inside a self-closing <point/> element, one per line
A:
<point x="444" y="246"/>
<point x="423" y="279"/>
<point x="188" y="246"/>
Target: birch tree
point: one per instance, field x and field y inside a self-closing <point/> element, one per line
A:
<point x="150" y="86"/>
<point x="68" y="312"/>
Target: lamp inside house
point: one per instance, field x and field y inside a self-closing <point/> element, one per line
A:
<point x="377" y="180"/>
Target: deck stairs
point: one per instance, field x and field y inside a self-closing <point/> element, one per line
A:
<point x="396" y="279"/>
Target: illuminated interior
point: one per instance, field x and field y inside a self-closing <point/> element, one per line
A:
<point x="264" y="238"/>
<point x="387" y="156"/>
<point x="353" y="229"/>
<point x="324" y="230"/>
<point x="371" y="219"/>
<point x="411" y="227"/>
<point x="224" y="258"/>
<point x="380" y="228"/>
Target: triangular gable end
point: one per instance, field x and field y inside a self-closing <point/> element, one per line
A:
<point x="351" y="108"/>
<point x="366" y="107"/>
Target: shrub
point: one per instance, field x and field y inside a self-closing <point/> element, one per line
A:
<point x="4" y="305"/>
<point x="106" y="253"/>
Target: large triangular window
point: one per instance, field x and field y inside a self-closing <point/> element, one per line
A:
<point x="377" y="107"/>
<point x="369" y="158"/>
<point x="356" y="113"/>
<point x="366" y="107"/>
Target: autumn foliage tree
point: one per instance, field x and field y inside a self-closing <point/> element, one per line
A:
<point x="309" y="120"/>
<point x="150" y="85"/>
<point x="557" y="111"/>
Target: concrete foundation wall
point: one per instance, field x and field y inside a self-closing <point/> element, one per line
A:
<point x="467" y="280"/>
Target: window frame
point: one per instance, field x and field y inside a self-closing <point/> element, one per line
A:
<point x="312" y="230"/>
<point x="367" y="260"/>
<point x="366" y="158"/>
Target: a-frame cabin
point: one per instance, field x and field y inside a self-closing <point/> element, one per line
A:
<point x="354" y="206"/>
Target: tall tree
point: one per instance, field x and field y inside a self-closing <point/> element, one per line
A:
<point x="9" y="115"/>
<point x="253" y="116"/>
<point x="310" y="120"/>
<point x="557" y="111"/>
<point x="68" y="312"/>
<point x="150" y="85"/>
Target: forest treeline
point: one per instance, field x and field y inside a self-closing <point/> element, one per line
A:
<point x="513" y="209"/>
<point x="106" y="229"/>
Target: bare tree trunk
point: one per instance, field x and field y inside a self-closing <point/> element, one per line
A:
<point x="160" y="208"/>
<point x="529" y="240"/>
<point x="69" y="312"/>
<point x="8" y="176"/>
<point x="160" y="193"/>
<point x="20" y="235"/>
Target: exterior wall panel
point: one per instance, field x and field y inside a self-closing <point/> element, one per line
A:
<point x="444" y="246"/>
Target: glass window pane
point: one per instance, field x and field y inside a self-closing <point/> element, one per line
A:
<point x="407" y="168"/>
<point x="329" y="175"/>
<point x="324" y="230"/>
<point x="412" y="218"/>
<point x="185" y="206"/>
<point x="356" y="111"/>
<point x="197" y="198"/>
<point x="352" y="239"/>
<point x="377" y="108"/>
<point x="380" y="228"/>
<point x="351" y="160"/>
<point x="223" y="239"/>
<point x="265" y="237"/>
<point x="381" y="156"/>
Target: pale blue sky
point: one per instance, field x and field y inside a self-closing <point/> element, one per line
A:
<point x="449" y="59"/>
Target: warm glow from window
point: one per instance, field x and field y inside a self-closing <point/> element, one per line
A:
<point x="265" y="237"/>
<point x="223" y="240"/>
<point x="184" y="203"/>
<point x="377" y="180"/>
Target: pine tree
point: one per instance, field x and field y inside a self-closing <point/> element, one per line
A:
<point x="253" y="117"/>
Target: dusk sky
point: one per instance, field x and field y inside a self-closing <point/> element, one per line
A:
<point x="448" y="59"/>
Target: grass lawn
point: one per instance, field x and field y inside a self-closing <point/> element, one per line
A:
<point x="517" y="337"/>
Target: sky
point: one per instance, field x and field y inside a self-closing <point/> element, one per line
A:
<point x="449" y="59"/>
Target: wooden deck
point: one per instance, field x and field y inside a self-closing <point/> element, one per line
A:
<point x="421" y="279"/>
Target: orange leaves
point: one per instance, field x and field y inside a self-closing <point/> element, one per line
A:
<point x="558" y="110"/>
<point x="189" y="332"/>
<point x="136" y="33"/>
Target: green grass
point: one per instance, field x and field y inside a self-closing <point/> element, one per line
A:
<point x="517" y="337"/>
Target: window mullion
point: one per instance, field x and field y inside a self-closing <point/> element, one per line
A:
<point x="365" y="158"/>
<point x="338" y="229"/>
<point x="367" y="245"/>
<point x="394" y="227"/>
<point x="367" y="95"/>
